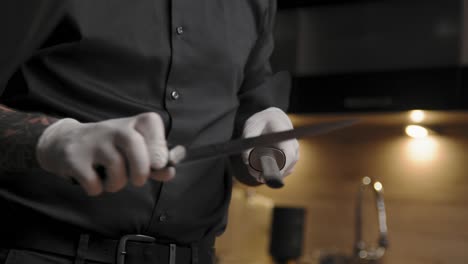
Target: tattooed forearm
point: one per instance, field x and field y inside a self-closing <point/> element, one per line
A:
<point x="19" y="133"/>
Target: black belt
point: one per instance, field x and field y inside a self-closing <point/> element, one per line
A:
<point x="127" y="250"/>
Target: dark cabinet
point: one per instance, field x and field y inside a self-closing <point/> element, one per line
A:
<point x="373" y="55"/>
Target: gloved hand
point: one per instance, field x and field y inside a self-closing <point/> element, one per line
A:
<point x="271" y="120"/>
<point x="128" y="148"/>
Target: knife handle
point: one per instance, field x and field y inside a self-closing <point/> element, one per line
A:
<point x="268" y="161"/>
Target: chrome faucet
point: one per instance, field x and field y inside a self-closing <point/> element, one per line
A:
<point x="362" y="253"/>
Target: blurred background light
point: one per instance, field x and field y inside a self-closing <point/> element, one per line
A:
<point x="422" y="149"/>
<point x="378" y="186"/>
<point x="417" y="116"/>
<point x="366" y="180"/>
<point x="416" y="131"/>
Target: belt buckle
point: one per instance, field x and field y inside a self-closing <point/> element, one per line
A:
<point x="121" y="250"/>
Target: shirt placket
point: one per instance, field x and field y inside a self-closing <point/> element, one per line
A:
<point x="173" y="97"/>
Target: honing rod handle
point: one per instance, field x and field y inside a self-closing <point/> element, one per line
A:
<point x="268" y="161"/>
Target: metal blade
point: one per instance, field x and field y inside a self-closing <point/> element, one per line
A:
<point x="239" y="145"/>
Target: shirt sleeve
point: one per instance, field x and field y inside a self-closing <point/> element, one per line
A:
<point x="261" y="88"/>
<point x="24" y="24"/>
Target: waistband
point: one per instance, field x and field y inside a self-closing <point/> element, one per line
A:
<point x="131" y="248"/>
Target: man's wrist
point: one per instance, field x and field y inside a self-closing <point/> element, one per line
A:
<point x="19" y="133"/>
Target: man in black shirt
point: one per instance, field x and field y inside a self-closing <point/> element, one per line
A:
<point x="115" y="84"/>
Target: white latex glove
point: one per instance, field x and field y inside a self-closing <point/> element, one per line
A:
<point x="128" y="148"/>
<point x="271" y="120"/>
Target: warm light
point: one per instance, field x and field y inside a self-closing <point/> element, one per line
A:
<point x="415" y="131"/>
<point x="422" y="149"/>
<point x="417" y="116"/>
<point x="378" y="186"/>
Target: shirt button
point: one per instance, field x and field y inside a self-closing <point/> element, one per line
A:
<point x="180" y="30"/>
<point x="162" y="218"/>
<point x="175" y="95"/>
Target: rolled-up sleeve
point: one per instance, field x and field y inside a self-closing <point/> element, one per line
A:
<point x="261" y="88"/>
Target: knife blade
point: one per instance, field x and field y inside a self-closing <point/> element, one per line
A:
<point x="236" y="146"/>
<point x="181" y="154"/>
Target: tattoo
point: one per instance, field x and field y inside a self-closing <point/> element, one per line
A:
<point x="19" y="133"/>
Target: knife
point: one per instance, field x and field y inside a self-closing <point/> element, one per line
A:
<point x="264" y="157"/>
<point x="263" y="152"/>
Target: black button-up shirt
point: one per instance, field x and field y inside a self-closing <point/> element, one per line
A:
<point x="202" y="65"/>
